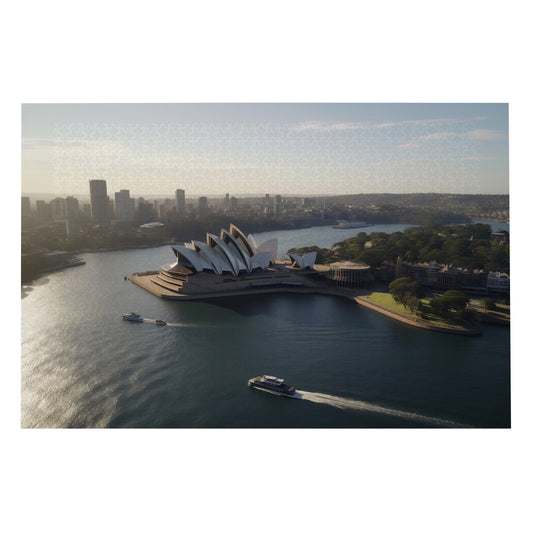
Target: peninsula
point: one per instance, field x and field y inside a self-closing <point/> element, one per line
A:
<point x="234" y="265"/>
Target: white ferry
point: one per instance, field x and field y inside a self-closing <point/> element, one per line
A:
<point x="133" y="317"/>
<point x="273" y="385"/>
<point x="343" y="224"/>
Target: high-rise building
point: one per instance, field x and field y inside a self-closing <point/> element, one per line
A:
<point x="99" y="202"/>
<point x="145" y="211"/>
<point x="180" y="202"/>
<point x="25" y="212"/>
<point x="44" y="211"/>
<point x="277" y="205"/>
<point x="73" y="206"/>
<point x="25" y="206"/>
<point x="123" y="210"/>
<point x="73" y="215"/>
<point x="203" y="208"/>
<point x="59" y="208"/>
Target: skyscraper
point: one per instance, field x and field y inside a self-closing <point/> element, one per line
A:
<point x="25" y="206"/>
<point x="73" y="215"/>
<point x="59" y="208"/>
<point x="203" y="208"/>
<point x="123" y="210"/>
<point x="99" y="202"/>
<point x="180" y="202"/>
<point x="44" y="211"/>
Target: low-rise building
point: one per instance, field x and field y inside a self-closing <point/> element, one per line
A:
<point x="348" y="274"/>
<point x="498" y="282"/>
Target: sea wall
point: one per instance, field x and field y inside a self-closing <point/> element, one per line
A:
<point x="416" y="322"/>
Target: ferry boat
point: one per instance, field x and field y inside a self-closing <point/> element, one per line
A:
<point x="273" y="385"/>
<point x="133" y="317"/>
<point x="342" y="224"/>
<point x="160" y="322"/>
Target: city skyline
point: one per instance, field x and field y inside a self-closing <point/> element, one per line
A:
<point x="313" y="149"/>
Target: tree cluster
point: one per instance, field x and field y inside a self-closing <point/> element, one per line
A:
<point x="451" y="305"/>
<point x="467" y="246"/>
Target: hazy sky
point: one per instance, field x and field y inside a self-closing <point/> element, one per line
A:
<point x="265" y="148"/>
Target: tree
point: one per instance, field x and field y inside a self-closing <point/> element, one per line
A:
<point x="405" y="291"/>
<point x="450" y="300"/>
<point x="455" y="300"/>
<point x="487" y="303"/>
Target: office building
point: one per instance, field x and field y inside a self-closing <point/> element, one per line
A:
<point x="25" y="206"/>
<point x="59" y="208"/>
<point x="123" y="206"/>
<point x="180" y="202"/>
<point x="203" y="208"/>
<point x="99" y="202"/>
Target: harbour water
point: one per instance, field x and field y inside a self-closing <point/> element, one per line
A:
<point x="83" y="366"/>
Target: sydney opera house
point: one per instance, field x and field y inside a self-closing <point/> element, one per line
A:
<point x="230" y="263"/>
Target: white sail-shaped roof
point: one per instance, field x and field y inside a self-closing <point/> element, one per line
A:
<point x="306" y="261"/>
<point x="214" y="242"/>
<point x="261" y="260"/>
<point x="297" y="259"/>
<point x="192" y="258"/>
<point x="231" y="252"/>
<point x="309" y="259"/>
<point x="217" y="259"/>
<point x="270" y="246"/>
<point x="252" y="242"/>
<point x="241" y="239"/>
<point x="234" y="245"/>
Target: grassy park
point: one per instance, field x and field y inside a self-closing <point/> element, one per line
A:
<point x="386" y="300"/>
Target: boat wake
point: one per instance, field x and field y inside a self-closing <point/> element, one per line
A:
<point x="171" y="324"/>
<point x="347" y="403"/>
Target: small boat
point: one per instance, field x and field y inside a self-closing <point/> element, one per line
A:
<point x="160" y="322"/>
<point x="343" y="224"/>
<point x="273" y="385"/>
<point x="133" y="317"/>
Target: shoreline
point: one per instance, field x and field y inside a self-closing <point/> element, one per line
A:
<point x="417" y="322"/>
<point x="143" y="280"/>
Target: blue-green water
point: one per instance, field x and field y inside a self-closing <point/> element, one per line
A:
<point x="83" y="366"/>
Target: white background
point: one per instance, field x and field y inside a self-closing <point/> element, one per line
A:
<point x="300" y="480"/>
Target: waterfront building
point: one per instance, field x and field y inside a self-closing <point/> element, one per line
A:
<point x="305" y="262"/>
<point x="99" y="202"/>
<point x="348" y="274"/>
<point x="498" y="282"/>
<point x="449" y="278"/>
<point x="227" y="264"/>
<point x="180" y="202"/>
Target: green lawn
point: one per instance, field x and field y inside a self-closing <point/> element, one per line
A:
<point x="386" y="300"/>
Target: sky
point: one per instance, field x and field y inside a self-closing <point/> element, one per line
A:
<point x="288" y="149"/>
